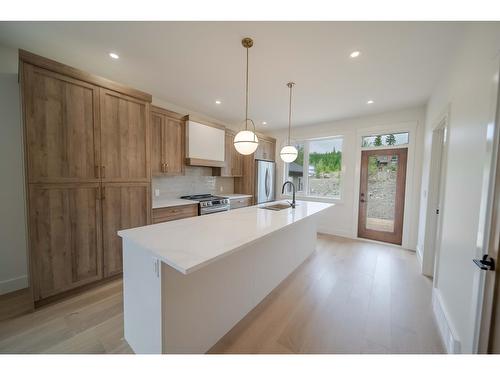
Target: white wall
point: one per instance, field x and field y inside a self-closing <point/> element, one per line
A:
<point x="467" y="89"/>
<point x="13" y="245"/>
<point x="342" y="219"/>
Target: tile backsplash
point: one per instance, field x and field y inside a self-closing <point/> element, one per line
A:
<point x="196" y="180"/>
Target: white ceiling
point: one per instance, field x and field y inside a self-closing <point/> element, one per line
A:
<point x="191" y="64"/>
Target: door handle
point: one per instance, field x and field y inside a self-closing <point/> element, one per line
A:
<point x="487" y="263"/>
<point x="266" y="183"/>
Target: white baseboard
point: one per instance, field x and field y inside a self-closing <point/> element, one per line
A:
<point x="7" y="286"/>
<point x="419" y="258"/>
<point x="446" y="330"/>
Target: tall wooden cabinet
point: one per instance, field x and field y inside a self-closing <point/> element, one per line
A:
<point x="233" y="160"/>
<point x="65" y="236"/>
<point x="87" y="151"/>
<point x="167" y="142"/>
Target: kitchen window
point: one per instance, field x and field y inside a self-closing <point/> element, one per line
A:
<point x="317" y="171"/>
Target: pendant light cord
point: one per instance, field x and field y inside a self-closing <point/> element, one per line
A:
<point x="246" y="99"/>
<point x="290" y="85"/>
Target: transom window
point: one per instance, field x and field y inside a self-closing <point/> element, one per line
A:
<point x="317" y="171"/>
<point x="385" y="140"/>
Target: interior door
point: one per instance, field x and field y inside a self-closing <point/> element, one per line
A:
<point x="382" y="195"/>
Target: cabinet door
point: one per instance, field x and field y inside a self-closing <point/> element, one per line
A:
<point x="61" y="127"/>
<point x="157" y="149"/>
<point x="236" y="162"/>
<point x="227" y="169"/>
<point x="267" y="150"/>
<point x="173" y="142"/>
<point x="65" y="236"/>
<point x="124" y="138"/>
<point x="123" y="206"/>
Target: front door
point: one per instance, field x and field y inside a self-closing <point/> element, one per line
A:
<point x="382" y="195"/>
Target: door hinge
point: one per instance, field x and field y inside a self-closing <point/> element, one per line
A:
<point x="487" y="263"/>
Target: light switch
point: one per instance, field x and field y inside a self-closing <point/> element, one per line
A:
<point x="157" y="192"/>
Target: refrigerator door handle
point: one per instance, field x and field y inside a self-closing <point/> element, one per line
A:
<point x="266" y="183"/>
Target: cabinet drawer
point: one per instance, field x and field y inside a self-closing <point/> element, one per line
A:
<point x="161" y="215"/>
<point x="240" y="202"/>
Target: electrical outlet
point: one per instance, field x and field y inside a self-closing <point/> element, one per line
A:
<point x="157" y="192"/>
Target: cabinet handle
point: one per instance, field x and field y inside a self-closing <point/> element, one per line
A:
<point x="163" y="167"/>
<point x="96" y="171"/>
<point x="103" y="171"/>
<point x="103" y="193"/>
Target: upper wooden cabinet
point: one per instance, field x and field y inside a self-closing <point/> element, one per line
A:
<point x="65" y="236"/>
<point x="167" y="142"/>
<point x="62" y="128"/>
<point x="124" y="138"/>
<point x="233" y="160"/>
<point x="266" y="149"/>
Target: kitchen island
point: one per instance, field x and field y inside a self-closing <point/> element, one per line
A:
<point x="188" y="282"/>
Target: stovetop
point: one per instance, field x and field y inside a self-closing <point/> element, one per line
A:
<point x="202" y="197"/>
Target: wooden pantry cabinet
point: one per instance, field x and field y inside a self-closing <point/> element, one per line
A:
<point x="62" y="134"/>
<point x="65" y="236"/>
<point x="233" y="166"/>
<point x="167" y="142"/>
<point x="124" y="205"/>
<point x="88" y="172"/>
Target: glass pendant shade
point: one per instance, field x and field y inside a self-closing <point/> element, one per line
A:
<point x="246" y="142"/>
<point x="288" y="154"/>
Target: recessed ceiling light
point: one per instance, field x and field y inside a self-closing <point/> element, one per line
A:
<point x="264" y="123"/>
<point x="355" y="54"/>
<point x="114" y="55"/>
<point x="218" y="102"/>
<point x="370" y="102"/>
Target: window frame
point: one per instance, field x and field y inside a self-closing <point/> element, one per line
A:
<point x="304" y="195"/>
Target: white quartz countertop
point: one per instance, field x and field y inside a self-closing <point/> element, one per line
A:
<point x="162" y="203"/>
<point x="189" y="244"/>
<point x="236" y="196"/>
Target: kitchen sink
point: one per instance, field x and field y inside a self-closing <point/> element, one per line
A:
<point x="277" y="206"/>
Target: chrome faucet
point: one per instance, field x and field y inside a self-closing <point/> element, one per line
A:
<point x="292" y="203"/>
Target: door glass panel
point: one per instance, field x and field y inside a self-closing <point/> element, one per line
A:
<point x="381" y="192"/>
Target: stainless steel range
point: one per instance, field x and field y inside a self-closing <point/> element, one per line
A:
<point x="208" y="203"/>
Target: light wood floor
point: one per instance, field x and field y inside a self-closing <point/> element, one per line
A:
<point x="348" y="297"/>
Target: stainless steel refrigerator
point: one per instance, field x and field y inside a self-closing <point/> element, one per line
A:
<point x="265" y="174"/>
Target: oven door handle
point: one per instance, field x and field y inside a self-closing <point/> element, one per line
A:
<point x="212" y="210"/>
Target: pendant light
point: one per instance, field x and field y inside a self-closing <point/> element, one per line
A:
<point x="289" y="153"/>
<point x="246" y="141"/>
